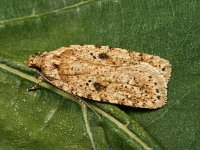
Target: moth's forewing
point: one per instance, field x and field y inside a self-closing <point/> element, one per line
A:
<point x="107" y="74"/>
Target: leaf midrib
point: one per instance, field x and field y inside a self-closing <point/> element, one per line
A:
<point x="64" y="94"/>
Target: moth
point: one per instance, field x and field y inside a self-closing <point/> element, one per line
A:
<point x="107" y="74"/>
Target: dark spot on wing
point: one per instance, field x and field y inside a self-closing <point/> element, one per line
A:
<point x="151" y="58"/>
<point x="110" y="47"/>
<point x="163" y="69"/>
<point x="56" y="66"/>
<point x="97" y="46"/>
<point x="158" y="97"/>
<point x="103" y="56"/>
<point x="141" y="54"/>
<point x="89" y="96"/>
<point x="98" y="86"/>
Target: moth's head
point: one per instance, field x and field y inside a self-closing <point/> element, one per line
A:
<point x="35" y="60"/>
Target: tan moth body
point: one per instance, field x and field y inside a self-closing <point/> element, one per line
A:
<point x="107" y="74"/>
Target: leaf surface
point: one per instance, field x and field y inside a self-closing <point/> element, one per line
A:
<point x="49" y="118"/>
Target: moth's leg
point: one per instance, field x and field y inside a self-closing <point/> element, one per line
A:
<point x="35" y="87"/>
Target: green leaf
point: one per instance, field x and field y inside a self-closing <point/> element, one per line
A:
<point x="51" y="119"/>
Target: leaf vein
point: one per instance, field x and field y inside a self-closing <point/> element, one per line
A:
<point x="33" y="15"/>
<point x="87" y="126"/>
<point x="66" y="95"/>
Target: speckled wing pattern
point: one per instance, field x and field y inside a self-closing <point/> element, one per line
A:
<point x="107" y="74"/>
